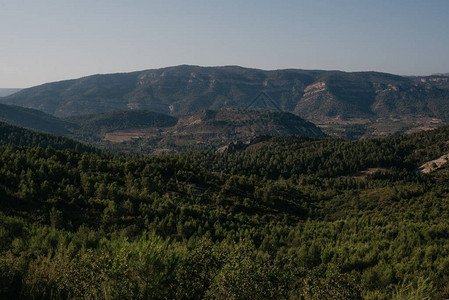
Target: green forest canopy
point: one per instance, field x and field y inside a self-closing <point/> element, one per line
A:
<point x="287" y="217"/>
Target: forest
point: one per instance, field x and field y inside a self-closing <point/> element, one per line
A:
<point x="286" y="217"/>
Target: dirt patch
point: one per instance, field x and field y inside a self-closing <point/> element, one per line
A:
<point x="433" y="165"/>
<point x="127" y="135"/>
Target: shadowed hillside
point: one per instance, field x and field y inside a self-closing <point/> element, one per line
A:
<point x="13" y="135"/>
<point x="33" y="119"/>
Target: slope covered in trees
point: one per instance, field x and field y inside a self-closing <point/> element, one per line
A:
<point x="13" y="135"/>
<point x="117" y="120"/>
<point x="206" y="129"/>
<point x="32" y="119"/>
<point x="286" y="217"/>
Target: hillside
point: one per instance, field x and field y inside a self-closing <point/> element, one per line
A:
<point x="148" y="132"/>
<point x="141" y="131"/>
<point x="349" y="105"/>
<point x="228" y="125"/>
<point x="287" y="217"/>
<point x="33" y="119"/>
<point x="110" y="121"/>
<point x="93" y="128"/>
<point x="13" y="135"/>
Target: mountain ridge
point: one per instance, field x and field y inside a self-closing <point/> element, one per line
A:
<point x="377" y="103"/>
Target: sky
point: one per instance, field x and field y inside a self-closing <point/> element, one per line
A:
<point x="50" y="40"/>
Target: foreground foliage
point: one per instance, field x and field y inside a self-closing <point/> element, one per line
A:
<point x="288" y="217"/>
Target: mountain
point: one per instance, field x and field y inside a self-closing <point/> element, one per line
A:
<point x="6" y="92"/>
<point x="348" y="105"/>
<point x="170" y="90"/>
<point x="33" y="119"/>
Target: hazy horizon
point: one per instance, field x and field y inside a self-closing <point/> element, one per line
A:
<point x="48" y="40"/>
<point x="211" y="66"/>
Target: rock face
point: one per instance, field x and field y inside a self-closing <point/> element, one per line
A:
<point x="435" y="164"/>
<point x="367" y="101"/>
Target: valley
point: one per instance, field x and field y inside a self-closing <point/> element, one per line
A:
<point x="148" y="132"/>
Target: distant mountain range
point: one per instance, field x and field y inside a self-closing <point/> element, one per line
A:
<point x="348" y="105"/>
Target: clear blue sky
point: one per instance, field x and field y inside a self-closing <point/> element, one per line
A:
<point x="51" y="40"/>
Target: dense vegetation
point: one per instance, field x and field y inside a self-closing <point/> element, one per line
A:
<point x="19" y="136"/>
<point x="287" y="217"/>
<point x="129" y="119"/>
